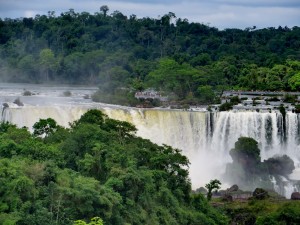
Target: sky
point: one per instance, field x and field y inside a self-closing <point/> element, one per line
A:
<point x="221" y="14"/>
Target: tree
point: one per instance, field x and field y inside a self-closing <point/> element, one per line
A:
<point x="45" y="127"/>
<point x="122" y="128"/>
<point x="174" y="77"/>
<point x="92" y="116"/>
<point x="138" y="85"/>
<point x="48" y="62"/>
<point x="4" y="126"/>
<point x="273" y="82"/>
<point x="104" y="9"/>
<point x="246" y="152"/>
<point x="27" y="65"/>
<point x="225" y="106"/>
<point x="246" y="168"/>
<point x="212" y="185"/>
<point x="206" y="94"/>
<point x="294" y="82"/>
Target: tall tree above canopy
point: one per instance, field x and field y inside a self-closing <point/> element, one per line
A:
<point x="104" y="9"/>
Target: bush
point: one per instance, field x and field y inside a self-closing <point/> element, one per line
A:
<point x="260" y="194"/>
<point x="297" y="108"/>
<point x="205" y="94"/>
<point x="289" y="98"/>
<point x="235" y="100"/>
<point x="286" y="214"/>
<point x="282" y="111"/>
<point x="225" y="106"/>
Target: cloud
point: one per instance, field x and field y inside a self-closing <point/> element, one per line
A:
<point x="258" y="3"/>
<point x="30" y="13"/>
<point x="241" y="17"/>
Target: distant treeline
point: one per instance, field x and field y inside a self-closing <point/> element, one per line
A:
<point x="166" y="53"/>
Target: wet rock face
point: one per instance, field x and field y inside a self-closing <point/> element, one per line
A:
<point x="18" y="102"/>
<point x="295" y="196"/>
<point x="233" y="188"/>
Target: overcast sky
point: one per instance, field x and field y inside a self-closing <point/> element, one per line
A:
<point x="217" y="13"/>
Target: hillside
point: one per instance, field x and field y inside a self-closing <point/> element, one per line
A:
<point x="188" y="61"/>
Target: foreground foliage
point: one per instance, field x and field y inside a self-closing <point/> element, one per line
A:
<point x="97" y="168"/>
<point x="263" y="212"/>
<point x="213" y="185"/>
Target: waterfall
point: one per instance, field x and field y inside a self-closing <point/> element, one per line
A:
<point x="205" y="138"/>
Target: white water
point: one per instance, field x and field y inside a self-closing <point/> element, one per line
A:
<point x="205" y="138"/>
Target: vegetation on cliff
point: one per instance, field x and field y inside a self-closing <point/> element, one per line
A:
<point x="249" y="171"/>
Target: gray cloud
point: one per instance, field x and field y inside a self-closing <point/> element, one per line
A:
<point x="218" y="13"/>
<point x="259" y="3"/>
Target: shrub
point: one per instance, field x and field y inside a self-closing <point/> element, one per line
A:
<point x="225" y="106"/>
<point x="289" y="98"/>
<point x="297" y="108"/>
<point x="235" y="100"/>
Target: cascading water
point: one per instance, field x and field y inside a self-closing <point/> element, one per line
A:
<point x="206" y="138"/>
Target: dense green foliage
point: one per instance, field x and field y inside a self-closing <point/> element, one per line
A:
<point x="246" y="151"/>
<point x="97" y="168"/>
<point x="170" y="54"/>
<point x="45" y="127"/>
<point x="271" y="211"/>
<point x="285" y="214"/>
